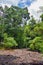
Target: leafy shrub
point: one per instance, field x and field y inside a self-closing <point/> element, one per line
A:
<point x="32" y="47"/>
<point x="9" y="42"/>
<point x="37" y="44"/>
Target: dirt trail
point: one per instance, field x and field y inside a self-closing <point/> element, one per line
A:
<point x="20" y="57"/>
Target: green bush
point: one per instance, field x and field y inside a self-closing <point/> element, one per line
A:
<point x="32" y="47"/>
<point x="37" y="44"/>
<point x="8" y="42"/>
<point x="40" y="47"/>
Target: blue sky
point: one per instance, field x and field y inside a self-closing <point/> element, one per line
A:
<point x="32" y="5"/>
<point x="20" y="3"/>
<point x="24" y="3"/>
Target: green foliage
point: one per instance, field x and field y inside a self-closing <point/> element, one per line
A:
<point x="32" y="47"/>
<point x="37" y="44"/>
<point x="8" y="42"/>
<point x="14" y="30"/>
<point x="41" y="17"/>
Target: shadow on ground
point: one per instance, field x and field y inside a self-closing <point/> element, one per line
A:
<point x="7" y="59"/>
<point x="10" y="60"/>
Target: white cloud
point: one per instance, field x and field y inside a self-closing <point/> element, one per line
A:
<point x="3" y="5"/>
<point x="15" y="2"/>
<point x="9" y="2"/>
<point x="34" y="7"/>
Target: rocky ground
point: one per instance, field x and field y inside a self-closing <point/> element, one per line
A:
<point x="20" y="57"/>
